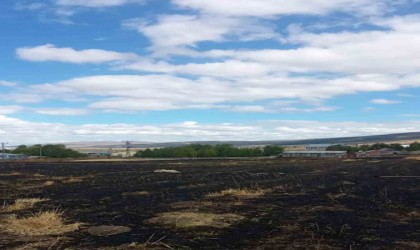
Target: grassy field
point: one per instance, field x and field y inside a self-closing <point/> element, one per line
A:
<point x="211" y="204"/>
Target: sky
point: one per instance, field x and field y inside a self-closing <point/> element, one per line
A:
<point x="196" y="70"/>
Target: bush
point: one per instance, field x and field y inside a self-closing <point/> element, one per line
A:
<point x="414" y="147"/>
<point x="49" y="150"/>
<point x="199" y="150"/>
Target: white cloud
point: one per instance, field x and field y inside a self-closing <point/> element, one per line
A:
<point x="268" y="8"/>
<point x="61" y="11"/>
<point x="389" y="51"/>
<point x="96" y="3"/>
<point x="277" y="109"/>
<point x="249" y="108"/>
<point x="61" y="111"/>
<point x="379" y="53"/>
<point x="381" y="60"/>
<point x="11" y="109"/>
<point x="31" y="6"/>
<point x="384" y="101"/>
<point x="50" y="52"/>
<point x="7" y="84"/>
<point x="225" y="69"/>
<point x="17" y="131"/>
<point x="185" y="31"/>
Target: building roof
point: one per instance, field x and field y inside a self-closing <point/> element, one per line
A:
<point x="319" y="145"/>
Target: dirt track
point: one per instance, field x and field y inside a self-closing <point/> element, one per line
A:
<point x="312" y="204"/>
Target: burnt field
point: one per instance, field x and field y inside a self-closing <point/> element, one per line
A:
<point x="211" y="204"/>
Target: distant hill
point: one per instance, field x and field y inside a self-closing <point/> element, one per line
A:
<point x="342" y="140"/>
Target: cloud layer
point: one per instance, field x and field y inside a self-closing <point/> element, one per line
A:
<point x="50" y="52"/>
<point x="166" y="92"/>
<point x="20" y="131"/>
<point x="96" y="3"/>
<point x="268" y="8"/>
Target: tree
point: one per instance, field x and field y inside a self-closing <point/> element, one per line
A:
<point x="396" y="146"/>
<point x="148" y="153"/>
<point x="22" y="149"/>
<point x="209" y="152"/>
<point x="271" y="150"/>
<point x="364" y="147"/>
<point x="50" y="150"/>
<point x="199" y="150"/>
<point x="414" y="147"/>
<point x="378" y="146"/>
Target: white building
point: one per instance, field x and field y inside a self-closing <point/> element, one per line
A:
<point x="12" y="156"/>
<point x="317" y="147"/>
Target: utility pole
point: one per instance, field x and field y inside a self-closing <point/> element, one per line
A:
<point x="40" y="151"/>
<point x="128" y="146"/>
<point x="3" y="150"/>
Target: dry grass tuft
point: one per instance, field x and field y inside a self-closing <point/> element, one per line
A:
<point x="38" y="175"/>
<point x="43" y="223"/>
<point x="241" y="193"/>
<point x="185" y="220"/>
<point x="414" y="214"/>
<point x="48" y="183"/>
<point x="21" y="204"/>
<point x="11" y="174"/>
<point x="414" y="158"/>
<point x="73" y="180"/>
<point x="408" y="244"/>
<point x="168" y="171"/>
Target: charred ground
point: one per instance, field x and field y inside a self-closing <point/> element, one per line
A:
<point x="301" y="204"/>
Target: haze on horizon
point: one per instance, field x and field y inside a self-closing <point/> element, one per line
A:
<point x="196" y="70"/>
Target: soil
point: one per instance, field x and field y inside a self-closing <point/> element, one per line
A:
<point x="312" y="203"/>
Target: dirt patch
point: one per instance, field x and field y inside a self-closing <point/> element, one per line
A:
<point x="193" y="205"/>
<point x="108" y="230"/>
<point x="240" y="193"/>
<point x="185" y="220"/>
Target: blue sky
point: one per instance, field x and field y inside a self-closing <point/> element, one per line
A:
<point x="181" y="70"/>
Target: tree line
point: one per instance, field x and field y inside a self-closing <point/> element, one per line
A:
<point x="200" y="151"/>
<point x="49" y="150"/>
<point x="394" y="146"/>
